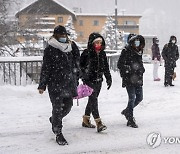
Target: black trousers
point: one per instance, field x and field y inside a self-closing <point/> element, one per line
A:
<point x="169" y="71"/>
<point x="92" y="105"/>
<point x="61" y="106"/>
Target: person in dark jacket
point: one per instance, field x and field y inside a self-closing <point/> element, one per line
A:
<point x="156" y="57"/>
<point x="170" y="55"/>
<point x="131" y="70"/>
<point x="94" y="64"/>
<point x="59" y="74"/>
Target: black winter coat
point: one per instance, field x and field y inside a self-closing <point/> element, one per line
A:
<point x="170" y="54"/>
<point x="131" y="67"/>
<point x="94" y="66"/>
<point x="59" y="70"/>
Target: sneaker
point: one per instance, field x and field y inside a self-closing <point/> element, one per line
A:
<point x="158" y="79"/>
<point x="61" y="140"/>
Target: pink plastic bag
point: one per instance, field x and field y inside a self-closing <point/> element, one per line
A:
<point x="83" y="90"/>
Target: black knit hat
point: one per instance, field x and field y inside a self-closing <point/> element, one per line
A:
<point x="60" y="30"/>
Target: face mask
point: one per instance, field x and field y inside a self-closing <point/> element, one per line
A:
<point x="173" y="41"/>
<point x="97" y="47"/>
<point x="137" y="43"/>
<point x="62" y="39"/>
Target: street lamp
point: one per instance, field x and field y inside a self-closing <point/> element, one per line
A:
<point x="116" y="22"/>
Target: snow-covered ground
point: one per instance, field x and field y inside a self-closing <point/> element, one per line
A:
<point x="25" y="128"/>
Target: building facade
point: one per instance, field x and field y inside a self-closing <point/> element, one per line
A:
<point x="39" y="19"/>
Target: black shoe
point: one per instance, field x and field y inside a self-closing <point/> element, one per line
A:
<point x="125" y="113"/>
<point x="171" y="84"/>
<point x="166" y="85"/>
<point x="61" y="140"/>
<point x="132" y="123"/>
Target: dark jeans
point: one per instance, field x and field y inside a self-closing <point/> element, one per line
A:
<point x="61" y="106"/>
<point x="169" y="71"/>
<point x="135" y="97"/>
<point x="92" y="105"/>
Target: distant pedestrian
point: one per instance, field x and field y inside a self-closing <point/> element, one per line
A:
<point x="59" y="75"/>
<point x="156" y="57"/>
<point x="94" y="65"/>
<point x="170" y="55"/>
<point x="131" y="70"/>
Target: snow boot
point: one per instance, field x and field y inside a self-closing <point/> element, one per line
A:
<point x="125" y="113"/>
<point x="100" y="126"/>
<point x="61" y="140"/>
<point x="132" y="122"/>
<point x="86" y="122"/>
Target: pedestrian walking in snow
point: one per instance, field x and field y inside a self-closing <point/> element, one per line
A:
<point x="131" y="70"/>
<point x="170" y="55"/>
<point x="93" y="64"/>
<point x="156" y="57"/>
<point x="59" y="73"/>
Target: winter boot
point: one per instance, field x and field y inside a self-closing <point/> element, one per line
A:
<point x="132" y="123"/>
<point x="86" y="122"/>
<point x="125" y="113"/>
<point x="100" y="126"/>
<point x="61" y="140"/>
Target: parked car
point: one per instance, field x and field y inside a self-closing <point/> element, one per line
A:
<point x="146" y="58"/>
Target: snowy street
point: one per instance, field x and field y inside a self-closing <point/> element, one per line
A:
<point x="25" y="128"/>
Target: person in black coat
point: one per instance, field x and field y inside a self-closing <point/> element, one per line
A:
<point x="131" y="70"/>
<point x="59" y="74"/>
<point x="170" y="55"/>
<point x="94" y="64"/>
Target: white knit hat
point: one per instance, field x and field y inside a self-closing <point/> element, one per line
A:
<point x="97" y="39"/>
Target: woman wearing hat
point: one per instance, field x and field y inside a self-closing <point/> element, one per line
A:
<point x="94" y="64"/>
<point x="59" y="74"/>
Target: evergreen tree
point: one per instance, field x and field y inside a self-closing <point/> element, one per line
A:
<point x="111" y="34"/>
<point x="70" y="28"/>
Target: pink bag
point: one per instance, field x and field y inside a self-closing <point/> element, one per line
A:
<point x="83" y="90"/>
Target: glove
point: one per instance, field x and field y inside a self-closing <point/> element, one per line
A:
<point x="109" y="83"/>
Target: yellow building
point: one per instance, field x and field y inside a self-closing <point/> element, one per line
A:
<point x="42" y="16"/>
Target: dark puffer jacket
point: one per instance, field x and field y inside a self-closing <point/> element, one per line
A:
<point x="170" y="53"/>
<point x="59" y="70"/>
<point x="131" y="66"/>
<point x="93" y="65"/>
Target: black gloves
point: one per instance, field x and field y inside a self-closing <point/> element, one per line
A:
<point x="109" y="83"/>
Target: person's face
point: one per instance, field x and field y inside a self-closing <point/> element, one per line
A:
<point x="61" y="37"/>
<point x="136" y="43"/>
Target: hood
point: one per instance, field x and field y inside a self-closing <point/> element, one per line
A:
<point x="92" y="37"/>
<point x="65" y="47"/>
<point x="171" y="38"/>
<point x="154" y="40"/>
<point x="140" y="37"/>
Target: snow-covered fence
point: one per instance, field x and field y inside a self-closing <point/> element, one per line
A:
<point x="20" y="70"/>
<point x="26" y="70"/>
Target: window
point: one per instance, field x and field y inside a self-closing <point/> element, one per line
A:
<point x="80" y="22"/>
<point x="60" y="19"/>
<point x="129" y="23"/>
<point x="95" y="23"/>
<point x="81" y="34"/>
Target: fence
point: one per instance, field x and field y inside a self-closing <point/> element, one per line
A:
<point x="26" y="70"/>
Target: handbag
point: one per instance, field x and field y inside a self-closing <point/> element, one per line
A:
<point x="83" y="90"/>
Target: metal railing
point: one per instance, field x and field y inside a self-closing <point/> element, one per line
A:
<point x="26" y="70"/>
